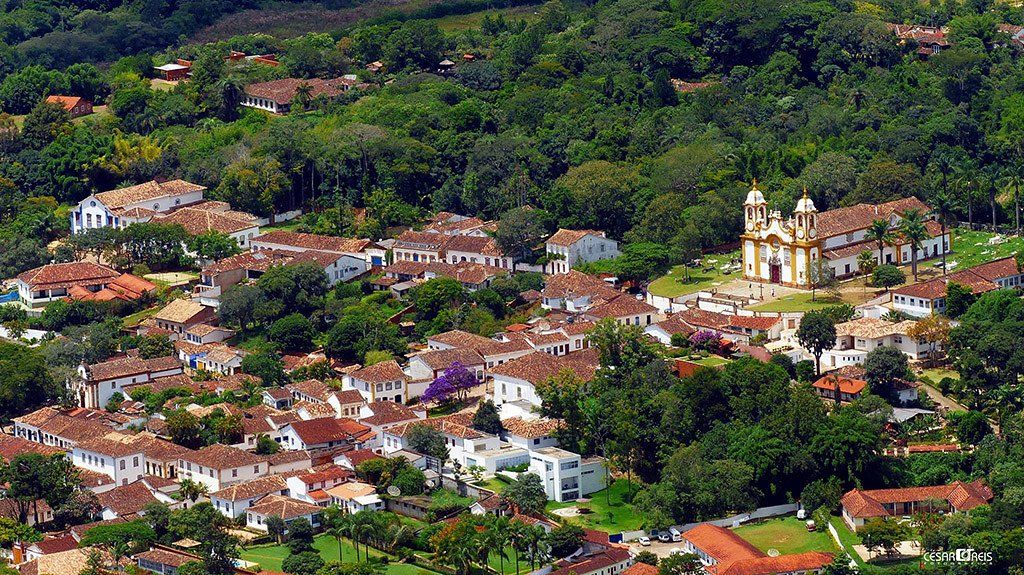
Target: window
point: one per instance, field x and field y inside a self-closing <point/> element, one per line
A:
<point x="122" y="464"/>
<point x="234" y="473"/>
<point x="255" y="468"/>
<point x="135" y="461"/>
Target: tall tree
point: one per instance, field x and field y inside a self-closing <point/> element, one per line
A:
<point x="817" y="333"/>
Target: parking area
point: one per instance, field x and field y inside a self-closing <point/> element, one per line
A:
<point x="659" y="548"/>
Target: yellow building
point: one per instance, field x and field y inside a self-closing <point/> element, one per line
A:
<point x="782" y="250"/>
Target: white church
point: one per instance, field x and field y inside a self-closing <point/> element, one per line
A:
<point x="780" y="250"/>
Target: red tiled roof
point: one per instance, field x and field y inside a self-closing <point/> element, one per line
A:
<point x="387" y="412"/>
<point x="380" y="372"/>
<point x="810" y="561"/>
<point x="316" y="431"/>
<point x="846" y="384"/>
<point x="641" y="569"/>
<point x="54" y="276"/>
<point x="284" y="91"/>
<point x="219" y="456"/>
<point x="871" y="503"/>
<point x="564" y="237"/>
<point x="284" y="507"/>
<point x="313" y="242"/>
<point x="538" y="367"/>
<point x="721" y="544"/>
<point x="127" y="499"/>
<point x="763" y="323"/>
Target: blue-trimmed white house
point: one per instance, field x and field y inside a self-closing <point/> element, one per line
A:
<point x="119" y="208"/>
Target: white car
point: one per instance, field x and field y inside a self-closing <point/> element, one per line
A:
<point x="644" y="541"/>
<point x="664" y="536"/>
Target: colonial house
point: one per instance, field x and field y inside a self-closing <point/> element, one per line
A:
<point x="65" y="429"/>
<point x="118" y="208"/>
<point x="419" y="246"/>
<point x="859" y="505"/>
<point x="42" y="285"/>
<point x="466" y="446"/>
<point x="928" y="297"/>
<point x="567" y="248"/>
<point x="234" y="500"/>
<point x="99" y="382"/>
<point x="384" y="380"/>
<point x="277" y="96"/>
<point x="113" y="455"/>
<point x="75" y="106"/>
<point x="362" y="250"/>
<point x="723" y="552"/>
<point x="211" y="216"/>
<point x="857" y="337"/>
<point x="204" y="333"/>
<point x="381" y="416"/>
<point x="181" y="315"/>
<point x="836" y="387"/>
<point x="277" y="397"/>
<point x="779" y="250"/>
<point x="174" y="71"/>
<point x="431" y="364"/>
<point x="575" y="292"/>
<point x="218" y="466"/>
<point x="124" y="287"/>
<point x="286" y="508"/>
<point x="130" y="500"/>
<point x="476" y="250"/>
<point x="311" y="487"/>
<point x="515" y="382"/>
<point x="494" y="351"/>
<point x="626" y="310"/>
<point x="323" y="433"/>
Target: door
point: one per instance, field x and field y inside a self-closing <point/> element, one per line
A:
<point x="775" y="273"/>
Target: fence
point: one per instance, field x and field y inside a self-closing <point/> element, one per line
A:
<point x="734" y="521"/>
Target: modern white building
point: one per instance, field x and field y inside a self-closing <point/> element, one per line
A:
<point x="566" y="475"/>
<point x="355" y="497"/>
<point x="567" y="248"/>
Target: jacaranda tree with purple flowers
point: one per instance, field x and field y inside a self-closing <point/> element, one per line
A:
<point x="705" y="339"/>
<point x="454" y="384"/>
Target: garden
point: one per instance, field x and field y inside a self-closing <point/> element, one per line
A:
<point x="607" y="510"/>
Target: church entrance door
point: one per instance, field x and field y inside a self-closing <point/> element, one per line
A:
<point x="775" y="273"/>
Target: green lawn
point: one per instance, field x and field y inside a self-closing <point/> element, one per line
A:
<point x="787" y="535"/>
<point x="848" y="538"/>
<point x="509" y="567"/>
<point x="270" y="556"/>
<point x="971" y="248"/>
<point x="494" y="484"/>
<point x="622" y="515"/>
<point x="710" y="361"/>
<point x="137" y="317"/>
<point x="675" y="283"/>
<point x="798" y="302"/>
<point x="936" y="374"/>
<point x="463" y="22"/>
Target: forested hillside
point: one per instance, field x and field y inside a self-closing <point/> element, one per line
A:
<point x="573" y="112"/>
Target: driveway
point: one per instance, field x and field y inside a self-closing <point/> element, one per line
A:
<point x="657" y="547"/>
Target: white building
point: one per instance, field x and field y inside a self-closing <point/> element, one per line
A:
<point x="566" y="248"/>
<point x="384" y="380"/>
<point x="218" y="466"/>
<point x="119" y="208"/>
<point x="42" y="285"/>
<point x="516" y="381"/>
<point x="234" y="500"/>
<point x="928" y="297"/>
<point x="284" y="507"/>
<point x="855" y="338"/>
<point x="121" y="460"/>
<point x="355" y="497"/>
<point x="567" y="476"/>
<point x="100" y="381"/>
<point x="466" y="446"/>
<point x="323" y="433"/>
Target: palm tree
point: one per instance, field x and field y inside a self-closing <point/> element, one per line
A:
<point x="1014" y="178"/>
<point x="517" y="537"/>
<point x="498" y="535"/>
<point x="942" y="211"/>
<point x="912" y="228"/>
<point x="337" y="520"/>
<point x="192" y="490"/>
<point x="881" y="233"/>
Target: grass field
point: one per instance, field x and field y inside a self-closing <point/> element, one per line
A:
<point x="710" y="361"/>
<point x="971" y="248"/>
<point x="137" y="317"/>
<point x="787" y="535"/>
<point x="270" y="556"/>
<point x="613" y="518"/>
<point x="936" y="374"/>
<point x="798" y="302"/>
<point x="462" y="22"/>
<point x="675" y="283"/>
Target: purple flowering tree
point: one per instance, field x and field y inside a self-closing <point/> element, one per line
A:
<point x="705" y="339"/>
<point x="454" y="384"/>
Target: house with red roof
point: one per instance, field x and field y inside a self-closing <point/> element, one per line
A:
<point x="75" y="106"/>
<point x="723" y="552"/>
<point x="567" y="248"/>
<point x="324" y="433"/>
<point x="839" y="388"/>
<point x="925" y="298"/>
<point x="860" y="506"/>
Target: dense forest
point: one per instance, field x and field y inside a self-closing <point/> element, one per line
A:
<point x="648" y="119"/>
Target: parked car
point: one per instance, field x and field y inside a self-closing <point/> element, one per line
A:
<point x="676" y="535"/>
<point x="664" y="536"/>
<point x="645" y="541"/>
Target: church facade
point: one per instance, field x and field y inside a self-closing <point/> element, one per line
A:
<point x="782" y="250"/>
